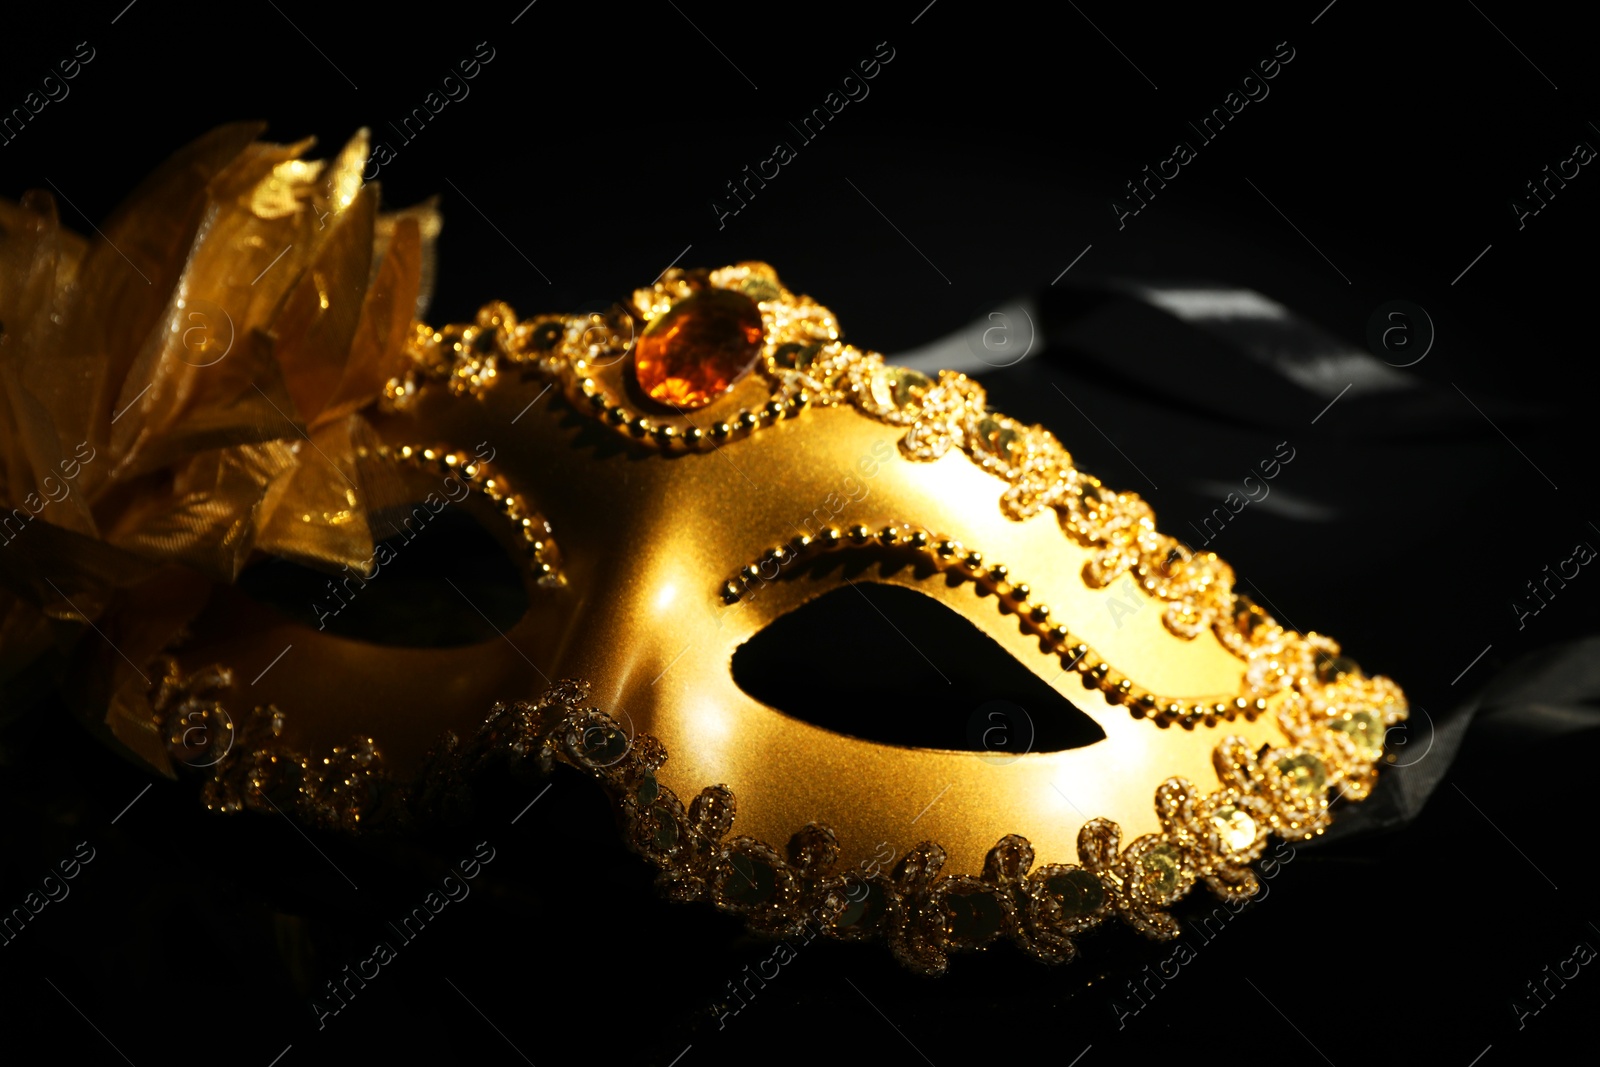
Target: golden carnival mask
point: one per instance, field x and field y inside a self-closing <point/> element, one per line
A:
<point x="681" y="480"/>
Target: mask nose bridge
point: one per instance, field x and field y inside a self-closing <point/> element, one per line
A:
<point x="641" y="584"/>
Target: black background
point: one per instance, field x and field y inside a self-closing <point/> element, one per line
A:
<point x="593" y="145"/>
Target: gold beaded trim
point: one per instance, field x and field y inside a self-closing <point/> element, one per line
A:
<point x="544" y="557"/>
<point x="467" y="357"/>
<point x="244" y="762"/>
<point x="952" y="558"/>
<point x="922" y="912"/>
<point x="805" y="363"/>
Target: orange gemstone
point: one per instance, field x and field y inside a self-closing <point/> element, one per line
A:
<point x="698" y="350"/>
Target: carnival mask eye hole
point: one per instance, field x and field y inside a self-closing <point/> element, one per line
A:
<point x="406" y="599"/>
<point x="889" y="664"/>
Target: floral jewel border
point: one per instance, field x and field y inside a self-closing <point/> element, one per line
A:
<point x="922" y="912"/>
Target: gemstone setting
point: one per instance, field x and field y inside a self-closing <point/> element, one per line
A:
<point x="1365" y="730"/>
<point x="1078" y="892"/>
<point x="895" y="388"/>
<point x="699" y="349"/>
<point x="1234" y="827"/>
<point x="1160" y="867"/>
<point x="1304" y="773"/>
